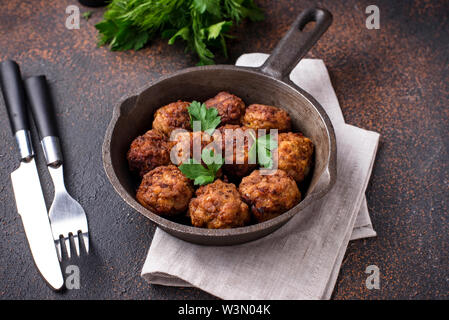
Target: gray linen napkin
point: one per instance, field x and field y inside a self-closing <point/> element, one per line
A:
<point x="301" y="260"/>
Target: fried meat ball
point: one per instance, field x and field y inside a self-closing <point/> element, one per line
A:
<point x="172" y="116"/>
<point x="237" y="164"/>
<point x="259" y="116"/>
<point x="148" y="151"/>
<point x="230" y="107"/>
<point x="165" y="191"/>
<point x="184" y="141"/>
<point x="218" y="206"/>
<point x="269" y="195"/>
<point x="295" y="155"/>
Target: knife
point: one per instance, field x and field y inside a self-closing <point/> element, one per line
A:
<point x="25" y="180"/>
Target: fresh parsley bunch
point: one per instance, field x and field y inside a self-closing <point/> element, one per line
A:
<point x="203" y="24"/>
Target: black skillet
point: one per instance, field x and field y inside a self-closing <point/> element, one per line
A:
<point x="268" y="84"/>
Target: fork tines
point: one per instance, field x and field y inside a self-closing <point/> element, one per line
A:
<point x="76" y="239"/>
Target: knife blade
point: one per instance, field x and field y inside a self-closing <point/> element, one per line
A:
<point x="25" y="180"/>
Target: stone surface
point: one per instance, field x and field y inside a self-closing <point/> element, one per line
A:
<point x="393" y="80"/>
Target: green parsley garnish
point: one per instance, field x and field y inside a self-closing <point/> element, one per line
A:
<point x="262" y="146"/>
<point x="198" y="172"/>
<point x="208" y="117"/>
<point x="202" y="24"/>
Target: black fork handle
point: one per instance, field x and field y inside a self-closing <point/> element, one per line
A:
<point x="15" y="101"/>
<point x="42" y="108"/>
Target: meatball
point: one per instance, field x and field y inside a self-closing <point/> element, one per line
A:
<point x="295" y="155"/>
<point x="165" y="191"/>
<point x="236" y="164"/>
<point x="184" y="141"/>
<point x="148" y="151"/>
<point x="259" y="116"/>
<point x="172" y="116"/>
<point x="230" y="107"/>
<point x="269" y="195"/>
<point x="218" y="206"/>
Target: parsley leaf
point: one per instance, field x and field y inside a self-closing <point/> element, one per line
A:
<point x="200" y="174"/>
<point x="262" y="147"/>
<point x="211" y="6"/>
<point x="202" y="24"/>
<point x="196" y="171"/>
<point x="215" y="30"/>
<point x="184" y="33"/>
<point x="208" y="117"/>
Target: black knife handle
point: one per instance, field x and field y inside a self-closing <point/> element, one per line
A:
<point x="14" y="95"/>
<point x="15" y="101"/>
<point x="42" y="108"/>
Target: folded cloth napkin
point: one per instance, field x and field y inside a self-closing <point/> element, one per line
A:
<point x="302" y="259"/>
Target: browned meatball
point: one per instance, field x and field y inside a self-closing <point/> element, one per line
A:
<point x="148" y="151"/>
<point x="230" y="107"/>
<point x="295" y="155"/>
<point x="236" y="164"/>
<point x="259" y="116"/>
<point x="165" y="191"/>
<point x="184" y="143"/>
<point x="269" y="195"/>
<point x="172" y="116"/>
<point x="218" y="206"/>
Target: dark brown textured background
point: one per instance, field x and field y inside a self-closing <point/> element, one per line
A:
<point x="393" y="81"/>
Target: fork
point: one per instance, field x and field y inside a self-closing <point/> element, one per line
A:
<point x="67" y="217"/>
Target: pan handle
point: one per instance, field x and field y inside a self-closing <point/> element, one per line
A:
<point x="296" y="43"/>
